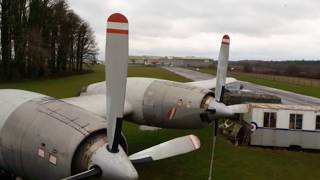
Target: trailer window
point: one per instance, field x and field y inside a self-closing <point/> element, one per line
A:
<point x="269" y="119"/>
<point x="318" y="122"/>
<point x="296" y="121"/>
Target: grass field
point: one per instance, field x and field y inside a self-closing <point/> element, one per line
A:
<point x="242" y="163"/>
<point x="301" y="89"/>
<point x="71" y="86"/>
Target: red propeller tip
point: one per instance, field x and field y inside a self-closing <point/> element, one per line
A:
<point x="117" y="17"/>
<point x="226" y="39"/>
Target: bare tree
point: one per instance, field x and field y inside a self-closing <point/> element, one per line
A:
<point x="41" y="37"/>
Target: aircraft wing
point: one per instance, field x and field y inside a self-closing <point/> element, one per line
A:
<point x="96" y="104"/>
<point x="211" y="83"/>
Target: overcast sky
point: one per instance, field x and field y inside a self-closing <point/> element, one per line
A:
<point x="268" y="30"/>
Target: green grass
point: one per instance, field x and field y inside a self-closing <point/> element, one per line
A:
<point x="231" y="162"/>
<point x="71" y="86"/>
<point x="243" y="163"/>
<point x="306" y="90"/>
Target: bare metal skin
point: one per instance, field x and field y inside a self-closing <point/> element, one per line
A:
<point x="40" y="136"/>
<point x="151" y="101"/>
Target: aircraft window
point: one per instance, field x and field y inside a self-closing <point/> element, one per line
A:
<point x="318" y="122"/>
<point x="295" y="121"/>
<point x="270" y="119"/>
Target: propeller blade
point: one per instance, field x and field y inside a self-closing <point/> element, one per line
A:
<point x="117" y="55"/>
<point x="167" y="149"/>
<point x="217" y="107"/>
<point x="219" y="110"/>
<point x="94" y="172"/>
<point x="222" y="68"/>
<point x="239" y="108"/>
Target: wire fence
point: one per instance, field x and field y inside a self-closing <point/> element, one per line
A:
<point x="291" y="80"/>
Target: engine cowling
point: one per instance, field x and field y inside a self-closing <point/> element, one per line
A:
<point x="163" y="103"/>
<point x="175" y="105"/>
<point x="45" y="138"/>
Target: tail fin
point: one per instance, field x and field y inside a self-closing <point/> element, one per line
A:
<point x="222" y="68"/>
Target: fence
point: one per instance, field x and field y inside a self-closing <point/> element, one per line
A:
<point x="292" y="80"/>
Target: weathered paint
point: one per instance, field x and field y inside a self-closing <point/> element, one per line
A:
<point x="150" y="101"/>
<point x="10" y="100"/>
<point x="41" y="136"/>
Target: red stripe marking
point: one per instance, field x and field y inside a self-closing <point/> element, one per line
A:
<point x="117" y="17"/>
<point x="117" y="31"/>
<point x="171" y="113"/>
<point x="194" y="147"/>
<point x="174" y="113"/>
<point x="226" y="43"/>
<point x="194" y="144"/>
<point x="226" y="39"/>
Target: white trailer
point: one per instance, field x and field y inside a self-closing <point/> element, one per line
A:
<point x="279" y="125"/>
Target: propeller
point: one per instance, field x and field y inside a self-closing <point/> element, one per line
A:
<point x="216" y="106"/>
<point x="167" y="149"/>
<point x="110" y="161"/>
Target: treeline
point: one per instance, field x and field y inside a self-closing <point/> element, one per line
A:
<point x="42" y="37"/>
<point x="303" y="68"/>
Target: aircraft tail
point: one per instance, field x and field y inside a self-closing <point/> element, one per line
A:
<point x="222" y="68"/>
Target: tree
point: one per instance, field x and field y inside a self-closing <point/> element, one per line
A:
<point x="6" y="39"/>
<point x="292" y="70"/>
<point x="247" y="68"/>
<point x="41" y="37"/>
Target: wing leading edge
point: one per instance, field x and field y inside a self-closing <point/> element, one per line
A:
<point x="96" y="104"/>
<point x="210" y="84"/>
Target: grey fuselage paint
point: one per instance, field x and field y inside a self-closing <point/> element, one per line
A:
<point x="153" y="100"/>
<point x="40" y="137"/>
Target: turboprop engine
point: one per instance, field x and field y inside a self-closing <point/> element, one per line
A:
<point x="164" y="103"/>
<point x="174" y="105"/>
<point x="41" y="135"/>
<point x="168" y="104"/>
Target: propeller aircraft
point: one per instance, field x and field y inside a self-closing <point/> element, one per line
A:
<point x="81" y="137"/>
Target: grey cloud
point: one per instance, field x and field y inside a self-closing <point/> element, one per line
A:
<point x="273" y="29"/>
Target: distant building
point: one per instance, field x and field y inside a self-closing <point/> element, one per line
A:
<point x="171" y="61"/>
<point x="139" y="60"/>
<point x="189" y="61"/>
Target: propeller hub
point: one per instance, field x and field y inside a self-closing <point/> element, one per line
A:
<point x="115" y="166"/>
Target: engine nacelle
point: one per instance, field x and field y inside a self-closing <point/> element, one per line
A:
<point x="168" y="104"/>
<point x="163" y="103"/>
<point x="45" y="138"/>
